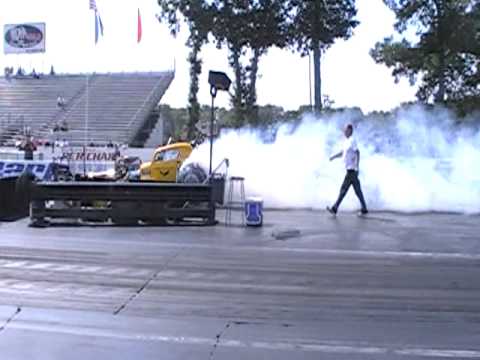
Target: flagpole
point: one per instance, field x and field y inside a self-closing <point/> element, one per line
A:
<point x="86" y="111"/>
<point x="92" y="6"/>
<point x="85" y="130"/>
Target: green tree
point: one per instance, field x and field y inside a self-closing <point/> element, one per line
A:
<point x="315" y="25"/>
<point x="198" y="17"/>
<point x="444" y="57"/>
<point x="248" y="28"/>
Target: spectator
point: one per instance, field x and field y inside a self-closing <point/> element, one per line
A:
<point x="64" y="125"/>
<point x="29" y="147"/>
<point x="60" y="144"/>
<point x="61" y="102"/>
<point x="8" y="72"/>
<point x="117" y="153"/>
<point x="52" y="71"/>
<point x="34" y="74"/>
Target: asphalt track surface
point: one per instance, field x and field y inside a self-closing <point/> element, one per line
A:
<point x="303" y="286"/>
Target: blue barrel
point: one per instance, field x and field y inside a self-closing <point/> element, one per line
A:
<point x="254" y="212"/>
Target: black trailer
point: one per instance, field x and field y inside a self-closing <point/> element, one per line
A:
<point x="124" y="203"/>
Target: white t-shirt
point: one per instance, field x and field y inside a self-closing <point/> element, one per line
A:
<point x="350" y="154"/>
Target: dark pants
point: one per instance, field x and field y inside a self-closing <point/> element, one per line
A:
<point x="351" y="178"/>
<point x="28" y="155"/>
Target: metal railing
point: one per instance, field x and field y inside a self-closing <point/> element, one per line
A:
<point x="62" y="114"/>
<point x="227" y="165"/>
<point x="143" y="110"/>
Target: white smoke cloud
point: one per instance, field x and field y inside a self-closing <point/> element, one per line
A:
<point x="416" y="160"/>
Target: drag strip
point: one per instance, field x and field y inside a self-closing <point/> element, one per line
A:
<point x="353" y="289"/>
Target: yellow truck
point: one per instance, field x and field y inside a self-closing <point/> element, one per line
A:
<point x="166" y="165"/>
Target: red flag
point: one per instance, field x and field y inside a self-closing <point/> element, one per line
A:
<point x="139" y="27"/>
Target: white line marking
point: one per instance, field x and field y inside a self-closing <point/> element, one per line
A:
<point x="321" y="347"/>
<point x="260" y="248"/>
<point x="469" y="354"/>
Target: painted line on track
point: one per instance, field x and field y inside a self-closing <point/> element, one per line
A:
<point x="320" y="347"/>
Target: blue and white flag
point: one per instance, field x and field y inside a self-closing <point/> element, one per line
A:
<point x="98" y="20"/>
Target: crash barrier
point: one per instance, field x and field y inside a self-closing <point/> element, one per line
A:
<point x="125" y="203"/>
<point x="235" y="199"/>
<point x="13" y="202"/>
<point x="254" y="211"/>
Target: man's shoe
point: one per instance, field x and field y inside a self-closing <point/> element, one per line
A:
<point x="331" y="210"/>
<point x="363" y="212"/>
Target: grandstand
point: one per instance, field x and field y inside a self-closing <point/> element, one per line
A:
<point x="117" y="106"/>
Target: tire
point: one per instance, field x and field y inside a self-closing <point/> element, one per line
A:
<point x="192" y="174"/>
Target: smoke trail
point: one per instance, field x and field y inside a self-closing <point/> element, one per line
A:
<point x="413" y="160"/>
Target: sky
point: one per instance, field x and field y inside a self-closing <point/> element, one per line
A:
<point x="349" y="76"/>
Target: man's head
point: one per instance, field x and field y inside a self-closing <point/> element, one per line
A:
<point x="348" y="131"/>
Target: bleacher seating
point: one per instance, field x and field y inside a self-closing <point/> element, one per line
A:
<point x="118" y="105"/>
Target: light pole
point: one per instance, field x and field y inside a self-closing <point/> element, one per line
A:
<point x="218" y="81"/>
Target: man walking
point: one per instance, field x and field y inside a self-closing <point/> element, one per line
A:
<point x="351" y="157"/>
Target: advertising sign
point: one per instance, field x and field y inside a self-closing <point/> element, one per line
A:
<point x="41" y="169"/>
<point x="88" y="154"/>
<point x="24" y="38"/>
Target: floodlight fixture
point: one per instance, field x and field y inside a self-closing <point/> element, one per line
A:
<point x="218" y="81"/>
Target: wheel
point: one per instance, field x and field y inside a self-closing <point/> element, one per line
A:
<point x="192" y="174"/>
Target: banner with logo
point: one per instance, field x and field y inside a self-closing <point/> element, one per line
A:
<point x="88" y="154"/>
<point x="41" y="169"/>
<point x="24" y="38"/>
<point x="90" y="159"/>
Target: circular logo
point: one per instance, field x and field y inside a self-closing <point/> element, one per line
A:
<point x="24" y="36"/>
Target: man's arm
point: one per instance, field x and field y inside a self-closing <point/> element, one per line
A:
<point x="358" y="158"/>
<point x="337" y="155"/>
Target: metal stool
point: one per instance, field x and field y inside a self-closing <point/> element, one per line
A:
<point x="232" y="201"/>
